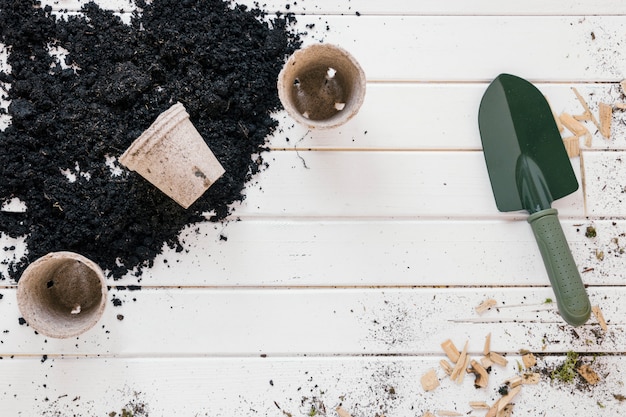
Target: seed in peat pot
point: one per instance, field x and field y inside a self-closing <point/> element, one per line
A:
<point x="120" y="78"/>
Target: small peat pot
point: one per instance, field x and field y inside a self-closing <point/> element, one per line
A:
<point x="321" y="86"/>
<point x="172" y="155"/>
<point x="62" y="294"/>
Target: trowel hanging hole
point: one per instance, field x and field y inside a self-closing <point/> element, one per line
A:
<point x="296" y="83"/>
<point x="50" y="284"/>
<point x="330" y="73"/>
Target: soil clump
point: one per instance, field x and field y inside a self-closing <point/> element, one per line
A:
<point x="71" y="119"/>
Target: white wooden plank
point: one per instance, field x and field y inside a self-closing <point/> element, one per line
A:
<point x="403" y="7"/>
<point x="237" y="387"/>
<point x="477" y="48"/>
<point x="379" y="184"/>
<point x="441" y="116"/>
<point x="454" y="7"/>
<point x="329" y="253"/>
<point x="296" y="322"/>
<point x="408" y="48"/>
<point x="300" y="253"/>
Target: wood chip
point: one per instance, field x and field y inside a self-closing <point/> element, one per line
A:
<point x="428" y="414"/>
<point x="572" y="146"/>
<point x="451" y="351"/>
<point x="461" y="376"/>
<point x="446" y="413"/>
<point x="493" y="410"/>
<point x="586" y="107"/>
<point x="529" y="360"/>
<point x="506" y="399"/>
<point x="447" y="367"/>
<point x="486" y="362"/>
<point x="606" y="117"/>
<point x="507" y="411"/>
<point x="498" y="359"/>
<point x="429" y="380"/>
<point x="459" y="368"/>
<point x="588" y="374"/>
<point x="486" y="305"/>
<point x="531" y="378"/>
<point x="479" y="405"/>
<point x="487" y="347"/>
<point x="577" y="128"/>
<point x="620" y="106"/>
<point x="623" y="85"/>
<point x="514" y="381"/>
<point x="600" y="317"/>
<point x="582" y="117"/>
<point x="482" y="377"/>
<point x="342" y="412"/>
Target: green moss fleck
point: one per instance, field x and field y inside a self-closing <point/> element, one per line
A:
<point x="567" y="371"/>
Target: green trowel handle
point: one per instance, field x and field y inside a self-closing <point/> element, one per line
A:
<point x="568" y="287"/>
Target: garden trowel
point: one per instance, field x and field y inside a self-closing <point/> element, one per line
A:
<point x="529" y="168"/>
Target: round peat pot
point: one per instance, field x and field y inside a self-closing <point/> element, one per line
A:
<point x="62" y="294"/>
<point x="321" y="86"/>
<point x="172" y="155"/>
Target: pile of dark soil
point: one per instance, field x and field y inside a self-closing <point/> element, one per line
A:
<point x="220" y="60"/>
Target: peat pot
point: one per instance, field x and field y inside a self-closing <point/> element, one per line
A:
<point x="172" y="155"/>
<point x="321" y="86"/>
<point x="62" y="294"/>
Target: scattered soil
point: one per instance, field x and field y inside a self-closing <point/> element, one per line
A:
<point x="71" y="119"/>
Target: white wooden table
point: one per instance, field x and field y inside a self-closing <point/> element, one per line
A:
<point x="361" y="249"/>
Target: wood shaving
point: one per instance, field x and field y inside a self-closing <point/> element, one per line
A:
<point x="572" y="146"/>
<point x="529" y="360"/>
<point x="428" y="414"/>
<point x="447" y="367"/>
<point x="487" y="347"/>
<point x="606" y="116"/>
<point x="482" y="377"/>
<point x="479" y="405"/>
<point x="588" y="374"/>
<point x="429" y="380"/>
<point x="486" y="305"/>
<point x="445" y="413"/>
<point x="505" y="400"/>
<point x="451" y="351"/>
<point x="577" y="128"/>
<point x="485" y="361"/>
<point x="507" y="411"/>
<point x="600" y="317"/>
<point x="459" y="368"/>
<point x="461" y="376"/>
<point x="582" y="117"/>
<point x="341" y="412"/>
<point x="586" y="107"/>
<point x="498" y="359"/>
<point x="514" y="381"/>
<point x="531" y="378"/>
